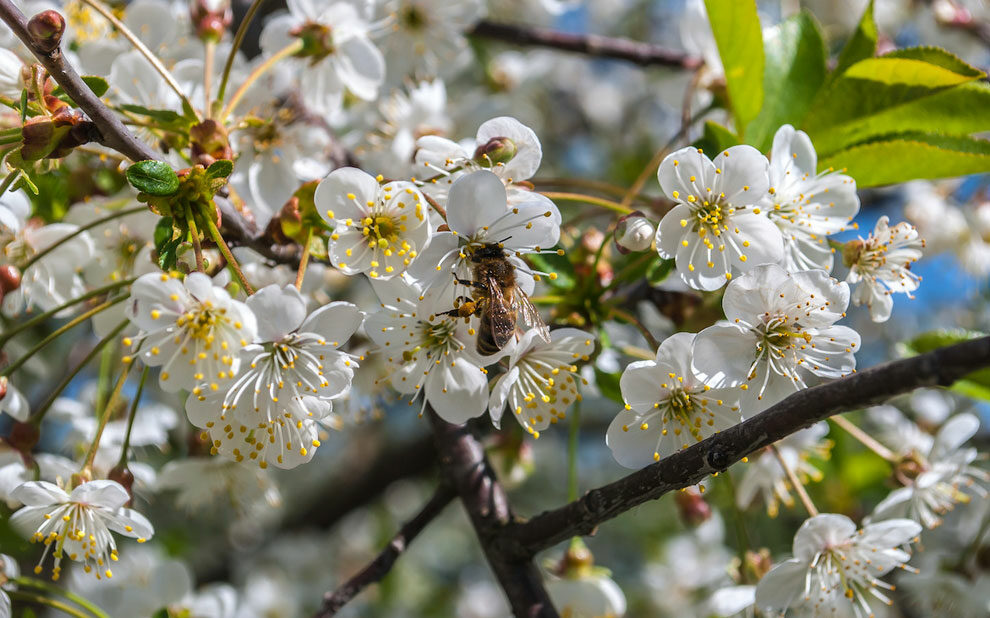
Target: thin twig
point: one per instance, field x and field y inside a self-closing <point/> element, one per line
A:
<point x="587" y="199"/>
<point x="378" y="568"/>
<point x="111" y="131"/>
<point x="795" y="482"/>
<point x="232" y="54"/>
<point x="643" y="54"/>
<point x="864" y="438"/>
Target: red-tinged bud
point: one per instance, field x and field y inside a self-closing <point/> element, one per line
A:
<point x="443" y="228"/>
<point x="211" y="18"/>
<point x="692" y="507"/>
<point x="3" y="384"/>
<point x="209" y="142"/>
<point x="123" y="475"/>
<point x="47" y="28"/>
<point x="23" y="436"/>
<point x="10" y="278"/>
<point x="496" y="150"/>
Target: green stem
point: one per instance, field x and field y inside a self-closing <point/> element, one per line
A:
<point x="631" y="319"/>
<point x="632" y="266"/>
<point x="103" y="381"/>
<point x="194" y="231"/>
<point x="9" y="180"/>
<point x="238" y="39"/>
<point x="41" y="600"/>
<point x="289" y="50"/>
<point x="120" y="213"/>
<point x="130" y="417"/>
<point x="14" y="366"/>
<point x="10" y="139"/>
<point x="86" y="469"/>
<point x="225" y="250"/>
<point x="572" y="453"/>
<point x="38" y="319"/>
<point x="588" y="199"/>
<point x="40" y="414"/>
<point x="304" y="260"/>
<point x="28" y="582"/>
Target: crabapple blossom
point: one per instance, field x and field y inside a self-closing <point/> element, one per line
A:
<point x="806" y="206"/>
<point x="191" y="328"/>
<point x="780" y="334"/>
<point x="78" y="525"/>
<point x="542" y="378"/>
<point x="881" y="265"/>
<point x="379" y="229"/>
<point x="668" y="407"/>
<point x="717" y="227"/>
<point x="835" y="566"/>
<point x="289" y="381"/>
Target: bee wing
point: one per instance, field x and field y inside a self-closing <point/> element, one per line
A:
<point x="530" y="315"/>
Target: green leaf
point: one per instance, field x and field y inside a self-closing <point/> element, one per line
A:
<point x="163" y="231"/>
<point x="554" y="263"/>
<point x="24" y="105"/>
<point x="975" y="384"/>
<point x="221" y="168"/>
<point x="739" y="37"/>
<point x="961" y="110"/>
<point x="938" y="57"/>
<point x="899" y="158"/>
<point x="794" y="72"/>
<point x="608" y="385"/>
<point x="715" y="138"/>
<point x="97" y="84"/>
<point x="153" y="177"/>
<point x="862" y="44"/>
<point x="659" y="270"/>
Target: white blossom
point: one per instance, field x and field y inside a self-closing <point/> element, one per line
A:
<point x="881" y="266"/>
<point x="779" y="336"/>
<point x="78" y="525"/>
<point x="428" y="35"/>
<point x="806" y="206"/>
<point x="668" y="407"/>
<point x="835" y="566"/>
<point x="717" y="227"/>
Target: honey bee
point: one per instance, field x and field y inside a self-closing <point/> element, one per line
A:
<point x="496" y="299"/>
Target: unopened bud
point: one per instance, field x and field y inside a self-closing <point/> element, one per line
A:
<point x="634" y="232"/>
<point x="10" y="279"/>
<point x="692" y="507"/>
<point x="47" y="28"/>
<point x="211" y="18"/>
<point x="123" y="475"/>
<point x="496" y="150"/>
<point x="23" y="436"/>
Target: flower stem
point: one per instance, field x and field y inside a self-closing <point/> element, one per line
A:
<point x="120" y="213"/>
<point x="131" y="415"/>
<point x="75" y="301"/>
<point x="289" y="50"/>
<point x="40" y="414"/>
<point x="625" y="316"/>
<point x="29" y="582"/>
<point x="304" y="260"/>
<point x="194" y="232"/>
<point x="588" y="199"/>
<point x="209" y="56"/>
<point x="572" y="453"/>
<point x="43" y="600"/>
<point x="14" y="366"/>
<point x="795" y="481"/>
<point x="87" y="467"/>
<point x="9" y="180"/>
<point x="225" y="250"/>
<point x="103" y="10"/>
<point x="238" y="39"/>
<point x="864" y="438"/>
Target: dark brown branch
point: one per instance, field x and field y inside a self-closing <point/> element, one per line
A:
<point x="112" y="132"/>
<point x="643" y="54"/>
<point x="466" y="468"/>
<point x="939" y="367"/>
<point x="382" y="564"/>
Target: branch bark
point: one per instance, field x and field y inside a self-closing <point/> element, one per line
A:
<point x="378" y="568"/>
<point x="637" y="52"/>
<point x="112" y="132"/>
<point x="936" y="368"/>
<point x="463" y="461"/>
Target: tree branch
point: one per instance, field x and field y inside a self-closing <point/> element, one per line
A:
<point x="643" y="54"/>
<point x="112" y="131"/>
<point x="936" y="368"/>
<point x="378" y="568"/>
<point x="463" y="461"/>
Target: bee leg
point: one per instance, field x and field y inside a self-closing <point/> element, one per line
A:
<point x="469" y="283"/>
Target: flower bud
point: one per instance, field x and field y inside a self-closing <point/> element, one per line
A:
<point x="692" y="507"/>
<point x="123" y="475"/>
<point x="211" y="18"/>
<point x="23" y="436"/>
<point x="496" y="150"/>
<point x="3" y="387"/>
<point x="634" y="232"/>
<point x="47" y="28"/>
<point x="10" y="279"/>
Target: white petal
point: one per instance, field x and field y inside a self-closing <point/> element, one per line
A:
<point x="361" y="67"/>
<point x="677" y="169"/>
<point x="783" y="586"/>
<point x="827" y="529"/>
<point x="473" y="201"/>
<point x="108" y="494"/>
<point x="39" y="493"/>
<point x="331" y="194"/>
<point x="529" y="153"/>
<point x="335" y="322"/>
<point x="744" y="177"/>
<point x="458" y="391"/>
<point x="280" y="311"/>
<point x="954" y="433"/>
